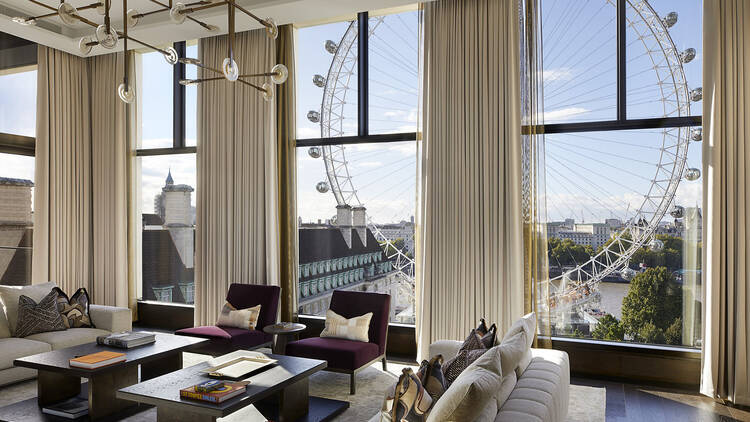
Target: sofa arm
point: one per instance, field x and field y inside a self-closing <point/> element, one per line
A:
<point x="447" y="348"/>
<point x="111" y="318"/>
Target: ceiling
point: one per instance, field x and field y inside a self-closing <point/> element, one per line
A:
<point x="158" y="29"/>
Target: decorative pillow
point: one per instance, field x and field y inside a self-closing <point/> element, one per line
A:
<point x="526" y="324"/>
<point x="467" y="397"/>
<point x="356" y="328"/>
<point x="75" y="310"/>
<point x="39" y="317"/>
<point x="239" y="318"/>
<point x="430" y="374"/>
<point x="9" y="296"/>
<point x="470" y="350"/>
<point x="488" y="336"/>
<point x="410" y="403"/>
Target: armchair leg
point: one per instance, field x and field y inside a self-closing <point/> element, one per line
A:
<point x="385" y="365"/>
<point x="352" y="384"/>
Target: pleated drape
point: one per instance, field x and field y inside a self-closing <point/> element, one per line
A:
<point x="80" y="210"/>
<point x="726" y="182"/>
<point x="286" y="150"/>
<point x="471" y="243"/>
<point x="236" y="216"/>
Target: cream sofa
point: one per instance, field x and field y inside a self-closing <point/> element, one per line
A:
<point x="106" y="319"/>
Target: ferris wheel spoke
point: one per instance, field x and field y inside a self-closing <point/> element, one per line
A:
<point x="586" y="191"/>
<point x="596" y="151"/>
<point x="556" y="42"/>
<point x="391" y="163"/>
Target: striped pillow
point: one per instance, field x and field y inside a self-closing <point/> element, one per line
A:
<point x="356" y="328"/>
<point x="239" y="318"/>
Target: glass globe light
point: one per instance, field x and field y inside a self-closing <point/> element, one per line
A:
<point x="84" y="44"/>
<point x="101" y="8"/>
<point x="692" y="174"/>
<point x="271" y="29"/>
<point x="106" y="40"/>
<point x="313" y="116"/>
<point x="125" y="93"/>
<point x="627" y="273"/>
<point x="132" y="18"/>
<point x="314" y="152"/>
<point x="656" y="245"/>
<point x="230" y="69"/>
<point x="696" y="134"/>
<point x="678" y="211"/>
<point x="688" y="55"/>
<point x="696" y="94"/>
<point x="280" y="73"/>
<point x="267" y="91"/>
<point x="177" y="13"/>
<point x="670" y="19"/>
<point x="319" y="81"/>
<point x="331" y="47"/>
<point x="322" y="187"/>
<point x="67" y="13"/>
<point x="24" y="21"/>
<point x="171" y="57"/>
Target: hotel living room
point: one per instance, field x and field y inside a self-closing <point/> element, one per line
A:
<point x="374" y="210"/>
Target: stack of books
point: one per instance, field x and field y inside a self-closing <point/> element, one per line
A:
<point x="72" y="408"/>
<point x="213" y="391"/>
<point x="97" y="360"/>
<point x="127" y="340"/>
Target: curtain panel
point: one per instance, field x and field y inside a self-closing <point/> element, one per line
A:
<point x="471" y="189"/>
<point x="236" y="216"/>
<point x="81" y="188"/>
<point x="726" y="183"/>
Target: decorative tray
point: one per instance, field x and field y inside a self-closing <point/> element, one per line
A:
<point x="238" y="368"/>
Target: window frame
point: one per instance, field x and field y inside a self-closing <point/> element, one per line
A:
<point x="21" y="58"/>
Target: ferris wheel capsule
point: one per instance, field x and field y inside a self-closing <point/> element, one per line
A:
<point x="678" y="211"/>
<point x="696" y="134"/>
<point x="322" y="187"/>
<point x="627" y="273"/>
<point x="319" y="81"/>
<point x="670" y="19"/>
<point x="696" y="94"/>
<point x="331" y="47"/>
<point x="688" y="55"/>
<point x="656" y="245"/>
<point x="314" y="152"/>
<point x="692" y="174"/>
<point x="313" y="116"/>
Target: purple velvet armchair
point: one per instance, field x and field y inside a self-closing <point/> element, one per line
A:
<point x="229" y="339"/>
<point x="349" y="356"/>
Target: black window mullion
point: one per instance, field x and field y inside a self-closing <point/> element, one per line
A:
<point x="622" y="114"/>
<point x="363" y="86"/>
<point x="178" y="99"/>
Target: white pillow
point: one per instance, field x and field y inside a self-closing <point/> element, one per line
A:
<point x="356" y="328"/>
<point x="9" y="297"/>
<point x="239" y="318"/>
<point x="468" y="396"/>
<point x="527" y="324"/>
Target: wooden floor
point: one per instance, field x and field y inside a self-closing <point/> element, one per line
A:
<point x="629" y="402"/>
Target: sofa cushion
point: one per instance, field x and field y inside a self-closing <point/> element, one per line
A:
<point x="9" y="297"/>
<point x="467" y="397"/>
<point x="228" y="336"/>
<point x="74" y="309"/>
<point x="39" y="317"/>
<point x="527" y="324"/>
<point x="68" y="338"/>
<point x="14" y="348"/>
<point x="541" y="393"/>
<point x="4" y="327"/>
<point x="340" y="353"/>
<point x="511" y="352"/>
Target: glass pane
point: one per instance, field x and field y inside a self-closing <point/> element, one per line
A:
<point x="18" y="103"/>
<point x="394" y="72"/>
<point x="357" y="224"/>
<point x="624" y="221"/>
<point x="16" y="218"/>
<point x="191" y="98"/>
<point x="167" y="193"/>
<point x="155" y="101"/>
<point x="580" y="61"/>
<point x="664" y="62"/>
<point x="327" y="80"/>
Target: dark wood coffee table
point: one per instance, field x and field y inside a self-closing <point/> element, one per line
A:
<point x="280" y="393"/>
<point x="57" y="381"/>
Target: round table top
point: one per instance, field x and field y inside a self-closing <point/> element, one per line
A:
<point x="282" y="329"/>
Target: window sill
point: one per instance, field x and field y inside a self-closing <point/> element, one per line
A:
<point x="626" y="346"/>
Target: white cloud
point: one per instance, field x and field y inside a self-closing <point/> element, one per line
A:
<point x="564" y="113"/>
<point x="557" y="74"/>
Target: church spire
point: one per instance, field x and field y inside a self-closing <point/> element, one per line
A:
<point x="169" y="180"/>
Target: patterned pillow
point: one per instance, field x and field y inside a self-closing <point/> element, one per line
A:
<point x="408" y="402"/>
<point x="356" y="328"/>
<point x="39" y="317"/>
<point x="75" y="310"/>
<point x="239" y="318"/>
<point x="486" y="335"/>
<point x="430" y="374"/>
<point x="470" y="350"/>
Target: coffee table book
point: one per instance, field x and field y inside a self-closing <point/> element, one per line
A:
<point x="98" y="360"/>
<point x="72" y="408"/>
<point x="229" y="390"/>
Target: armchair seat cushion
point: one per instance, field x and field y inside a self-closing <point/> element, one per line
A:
<point x="237" y="337"/>
<point x="340" y="353"/>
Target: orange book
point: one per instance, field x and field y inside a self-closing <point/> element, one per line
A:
<point x="97" y="360"/>
<point x="229" y="390"/>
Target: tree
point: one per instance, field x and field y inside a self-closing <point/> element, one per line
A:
<point x="652" y="307"/>
<point x="608" y="328"/>
<point x="566" y="252"/>
<point x="389" y="250"/>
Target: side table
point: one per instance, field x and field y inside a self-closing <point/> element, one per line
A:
<point x="282" y="334"/>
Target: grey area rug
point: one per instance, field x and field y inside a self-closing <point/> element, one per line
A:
<point x="587" y="404"/>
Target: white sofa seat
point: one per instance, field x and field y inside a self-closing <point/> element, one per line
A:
<point x="541" y="393"/>
<point x="68" y="338"/>
<point x="12" y="348"/>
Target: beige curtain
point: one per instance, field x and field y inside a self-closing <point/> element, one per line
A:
<point x="80" y="210"/>
<point x="236" y="229"/>
<point x="726" y="161"/>
<point x="470" y="205"/>
<point x="286" y="141"/>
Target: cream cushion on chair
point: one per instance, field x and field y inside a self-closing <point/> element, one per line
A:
<point x="9" y="296"/>
<point x="356" y="328"/>
<point x="238" y="318"/>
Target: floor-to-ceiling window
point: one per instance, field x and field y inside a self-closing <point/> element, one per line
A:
<point x="622" y="113"/>
<point x="357" y="105"/>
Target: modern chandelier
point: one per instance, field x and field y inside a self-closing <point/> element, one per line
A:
<point x="107" y="36"/>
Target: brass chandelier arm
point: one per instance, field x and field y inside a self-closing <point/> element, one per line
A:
<point x="38" y="3"/>
<point x="252" y="85"/>
<point x="198" y="8"/>
<point x="255" y="75"/>
<point x="245" y="11"/>
<point x="51" y="14"/>
<point x="167" y="7"/>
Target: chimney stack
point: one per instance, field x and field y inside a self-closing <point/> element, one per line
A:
<point x="359" y="217"/>
<point x="344" y="221"/>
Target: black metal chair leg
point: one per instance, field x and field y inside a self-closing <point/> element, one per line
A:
<point x="385" y="365"/>
<point x="352" y="384"/>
